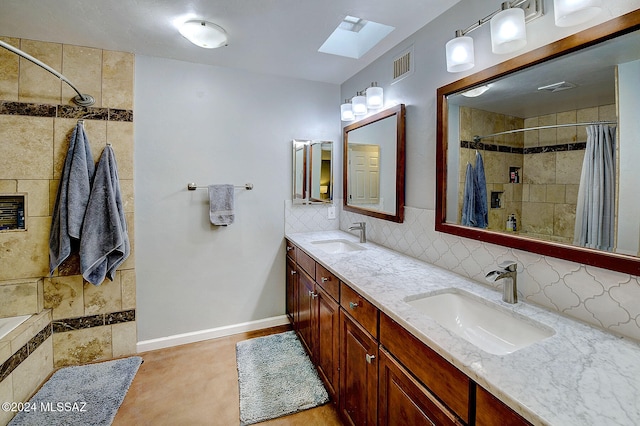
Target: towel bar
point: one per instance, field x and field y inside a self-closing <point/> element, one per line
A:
<point x="192" y="186"/>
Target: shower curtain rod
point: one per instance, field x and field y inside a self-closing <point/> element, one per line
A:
<point x="551" y="126"/>
<point x="82" y="100"/>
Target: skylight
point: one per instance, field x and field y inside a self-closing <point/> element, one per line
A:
<point x="354" y="37"/>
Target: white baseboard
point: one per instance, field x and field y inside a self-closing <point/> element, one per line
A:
<point x="212" y="333"/>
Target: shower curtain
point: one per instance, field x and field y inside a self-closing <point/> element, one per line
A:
<point x="594" y="226"/>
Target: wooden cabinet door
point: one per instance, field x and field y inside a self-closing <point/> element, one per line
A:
<point x="292" y="291"/>
<point x="327" y="343"/>
<point x="403" y="400"/>
<point x="305" y="328"/>
<point x="358" y="373"/>
<point x="490" y="411"/>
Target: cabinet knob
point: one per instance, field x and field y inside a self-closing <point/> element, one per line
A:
<point x="370" y="358"/>
<point x="324" y="279"/>
<point x="313" y="294"/>
<point x="293" y="272"/>
<point x="354" y="305"/>
<point x="289" y="248"/>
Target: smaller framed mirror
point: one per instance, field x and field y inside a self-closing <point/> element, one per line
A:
<point x="374" y="163"/>
<point x="312" y="171"/>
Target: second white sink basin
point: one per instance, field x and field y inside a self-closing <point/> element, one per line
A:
<point x="338" y="246"/>
<point x="480" y="322"/>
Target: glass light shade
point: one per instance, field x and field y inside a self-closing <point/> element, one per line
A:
<point x="359" y="105"/>
<point x="346" y="113"/>
<point x="460" y="56"/>
<point x="204" y="34"/>
<point x="573" y="12"/>
<point x="508" y="32"/>
<point x="375" y="97"/>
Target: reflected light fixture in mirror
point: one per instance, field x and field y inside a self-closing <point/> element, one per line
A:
<point x="573" y="12"/>
<point x="508" y="32"/>
<point x="204" y="34"/>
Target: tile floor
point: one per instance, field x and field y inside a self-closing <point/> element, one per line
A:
<point x="197" y="384"/>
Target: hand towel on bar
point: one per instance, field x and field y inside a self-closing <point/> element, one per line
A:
<point x="72" y="198"/>
<point x="221" y="204"/>
<point x="105" y="243"/>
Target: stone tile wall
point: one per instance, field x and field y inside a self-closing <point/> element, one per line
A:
<point x="36" y="121"/>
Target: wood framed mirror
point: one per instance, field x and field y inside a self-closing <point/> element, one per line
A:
<point x="374" y="163"/>
<point x="525" y="189"/>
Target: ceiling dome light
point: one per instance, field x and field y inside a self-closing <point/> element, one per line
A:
<point x="475" y="92"/>
<point x="573" y="12"/>
<point x="204" y="34"/>
<point x="508" y="32"/>
<point x="460" y="56"/>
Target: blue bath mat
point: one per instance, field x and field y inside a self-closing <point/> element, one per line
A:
<point x="276" y="378"/>
<point x="81" y="395"/>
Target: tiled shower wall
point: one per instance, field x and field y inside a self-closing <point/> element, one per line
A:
<point x="36" y="121"/>
<point x="603" y="298"/>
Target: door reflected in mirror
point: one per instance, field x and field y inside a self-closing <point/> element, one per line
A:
<point x="374" y="165"/>
<point x="312" y="171"/>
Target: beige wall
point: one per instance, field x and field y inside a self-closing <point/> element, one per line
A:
<point x="33" y="143"/>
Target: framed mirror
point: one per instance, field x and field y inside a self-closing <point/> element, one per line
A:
<point x="526" y="145"/>
<point x="374" y="163"/>
<point x="312" y="171"/>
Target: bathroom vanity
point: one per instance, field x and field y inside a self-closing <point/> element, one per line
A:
<point x="384" y="359"/>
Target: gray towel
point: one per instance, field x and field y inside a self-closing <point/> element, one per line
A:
<point x="105" y="243"/>
<point x="71" y="199"/>
<point x="468" y="198"/>
<point x="221" y="203"/>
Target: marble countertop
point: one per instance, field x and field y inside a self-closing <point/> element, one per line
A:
<point x="579" y="376"/>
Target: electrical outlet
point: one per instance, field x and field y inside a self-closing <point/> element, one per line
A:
<point x="331" y="212"/>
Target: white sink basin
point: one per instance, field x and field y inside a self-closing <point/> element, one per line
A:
<point x="480" y="322"/>
<point x="338" y="246"/>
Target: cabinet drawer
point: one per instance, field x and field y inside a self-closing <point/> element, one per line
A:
<point x="490" y="411"/>
<point x="328" y="281"/>
<point x="291" y="249"/>
<point x="306" y="262"/>
<point x="365" y="313"/>
<point x="437" y="374"/>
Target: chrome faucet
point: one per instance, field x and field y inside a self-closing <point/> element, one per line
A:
<point x="509" y="272"/>
<point x="362" y="227"/>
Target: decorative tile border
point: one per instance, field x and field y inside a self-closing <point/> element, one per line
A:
<point x="65" y="111"/>
<point x="575" y="146"/>
<point x="61" y="326"/>
<point x="71" y="324"/>
<point x="7" y="367"/>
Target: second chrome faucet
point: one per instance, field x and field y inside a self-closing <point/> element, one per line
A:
<point x="362" y="227"/>
<point x="509" y="273"/>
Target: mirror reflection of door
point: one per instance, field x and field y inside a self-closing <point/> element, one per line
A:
<point x="364" y="164"/>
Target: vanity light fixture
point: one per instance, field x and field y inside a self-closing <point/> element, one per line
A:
<point x="573" y="12"/>
<point x="371" y="98"/>
<point x="375" y="96"/>
<point x="346" y="111"/>
<point x="508" y="32"/>
<point x="460" y="55"/>
<point x="359" y="104"/>
<point x="204" y="34"/>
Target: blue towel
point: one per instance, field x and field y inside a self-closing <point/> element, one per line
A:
<point x="481" y="211"/>
<point x="71" y="199"/>
<point x="105" y="243"/>
<point x="468" y="198"/>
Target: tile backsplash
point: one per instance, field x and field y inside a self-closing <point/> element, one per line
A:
<point x="600" y="297"/>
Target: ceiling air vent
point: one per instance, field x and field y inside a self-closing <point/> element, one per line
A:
<point x="403" y="65"/>
<point x="557" y="87"/>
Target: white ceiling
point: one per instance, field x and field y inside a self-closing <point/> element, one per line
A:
<point x="279" y="37"/>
